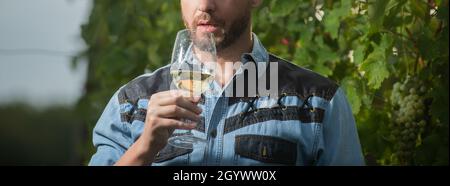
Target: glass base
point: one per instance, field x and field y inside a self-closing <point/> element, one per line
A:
<point x="185" y="141"/>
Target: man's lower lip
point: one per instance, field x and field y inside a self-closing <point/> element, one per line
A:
<point x="207" y="28"/>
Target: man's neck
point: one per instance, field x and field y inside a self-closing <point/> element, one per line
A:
<point x="226" y="58"/>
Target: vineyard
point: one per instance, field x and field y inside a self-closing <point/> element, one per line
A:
<point x="390" y="57"/>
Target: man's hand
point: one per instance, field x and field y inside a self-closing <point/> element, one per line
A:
<point x="163" y="116"/>
<point x="165" y="113"/>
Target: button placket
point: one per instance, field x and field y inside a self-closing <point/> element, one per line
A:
<point x="219" y="129"/>
<point x="212" y="125"/>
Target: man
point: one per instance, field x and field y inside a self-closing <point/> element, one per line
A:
<point x="309" y="123"/>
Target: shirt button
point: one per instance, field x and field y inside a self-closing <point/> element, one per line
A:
<point x="213" y="133"/>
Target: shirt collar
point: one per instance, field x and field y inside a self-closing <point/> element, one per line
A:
<point x="259" y="53"/>
<point x="259" y="56"/>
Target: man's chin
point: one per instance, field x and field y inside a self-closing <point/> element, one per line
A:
<point x="204" y="37"/>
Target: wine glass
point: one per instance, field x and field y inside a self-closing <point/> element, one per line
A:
<point x="192" y="69"/>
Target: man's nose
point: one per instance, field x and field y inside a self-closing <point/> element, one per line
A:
<point x="207" y="5"/>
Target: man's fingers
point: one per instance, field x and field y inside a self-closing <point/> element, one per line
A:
<point x="180" y="101"/>
<point x="174" y="111"/>
<point x="193" y="99"/>
<point x="176" y="124"/>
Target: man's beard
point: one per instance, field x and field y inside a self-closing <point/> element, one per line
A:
<point x="204" y="42"/>
<point x="237" y="28"/>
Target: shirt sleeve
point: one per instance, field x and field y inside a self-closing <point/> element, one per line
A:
<point x="340" y="142"/>
<point x="111" y="136"/>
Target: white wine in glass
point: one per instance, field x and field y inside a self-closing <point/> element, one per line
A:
<point x="195" y="82"/>
<point x="192" y="69"/>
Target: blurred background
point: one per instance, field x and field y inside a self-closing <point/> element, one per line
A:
<point x="61" y="61"/>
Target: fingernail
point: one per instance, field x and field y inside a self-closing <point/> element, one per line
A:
<point x="199" y="110"/>
<point x="192" y="124"/>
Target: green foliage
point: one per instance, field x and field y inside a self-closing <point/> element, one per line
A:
<point x="124" y="39"/>
<point x="364" y="45"/>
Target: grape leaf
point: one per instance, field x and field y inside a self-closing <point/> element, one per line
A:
<point x="375" y="68"/>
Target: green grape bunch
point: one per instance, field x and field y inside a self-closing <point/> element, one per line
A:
<point x="409" y="117"/>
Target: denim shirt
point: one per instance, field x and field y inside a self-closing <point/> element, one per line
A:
<point x="309" y="123"/>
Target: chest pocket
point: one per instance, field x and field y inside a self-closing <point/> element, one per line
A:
<point x="267" y="149"/>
